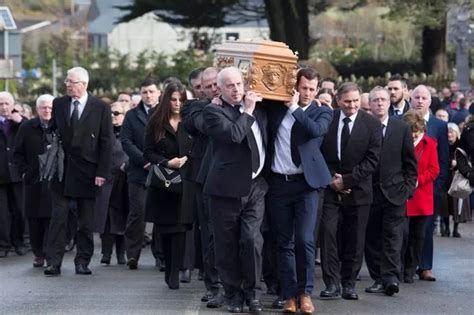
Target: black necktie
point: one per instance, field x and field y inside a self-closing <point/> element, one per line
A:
<point x="345" y="134"/>
<point x="237" y="108"/>
<point x="75" y="114"/>
<point x="295" y="154"/>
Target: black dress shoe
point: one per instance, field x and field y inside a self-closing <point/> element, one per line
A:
<point x="132" y="263"/>
<point x="216" y="301"/>
<point x="279" y="303"/>
<point x="207" y="296"/>
<point x="254" y="306"/>
<point x="185" y="276"/>
<point x="21" y="250"/>
<point x="83" y="270"/>
<point x="349" y="293"/>
<point x="408" y="279"/>
<point x="105" y="259"/>
<point x="235" y="308"/>
<point x="52" y="271"/>
<point x="332" y="291"/>
<point x="391" y="289"/>
<point x="375" y="288"/>
<point x="38" y="262"/>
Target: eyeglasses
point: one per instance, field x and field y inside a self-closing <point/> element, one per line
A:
<point x="117" y="113"/>
<point x="67" y="81"/>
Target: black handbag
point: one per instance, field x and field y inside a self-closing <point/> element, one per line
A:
<point x="164" y="178"/>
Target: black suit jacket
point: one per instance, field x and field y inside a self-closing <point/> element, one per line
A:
<point x="230" y="172"/>
<point x="132" y="136"/>
<point x="406" y="108"/>
<point x="361" y="160"/>
<point x="398" y="165"/>
<point x="87" y="148"/>
<point x="8" y="170"/>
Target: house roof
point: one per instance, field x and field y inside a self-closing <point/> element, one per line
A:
<point x="107" y="15"/>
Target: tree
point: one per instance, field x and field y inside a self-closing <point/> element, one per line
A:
<point x="287" y="19"/>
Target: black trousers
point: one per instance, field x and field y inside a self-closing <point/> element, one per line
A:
<point x="173" y="248"/>
<point x="238" y="241"/>
<point x="39" y="235"/>
<point x="342" y="236"/>
<point x="384" y="240"/>
<point x="415" y="241"/>
<point x="12" y="221"/>
<point x="57" y="229"/>
<point x="108" y="240"/>
<point x="135" y="229"/>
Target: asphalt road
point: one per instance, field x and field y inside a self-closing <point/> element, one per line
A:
<point x="116" y="290"/>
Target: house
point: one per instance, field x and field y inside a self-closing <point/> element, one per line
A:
<point x="147" y="33"/>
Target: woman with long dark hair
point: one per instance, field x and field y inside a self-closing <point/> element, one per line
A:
<point x="165" y="139"/>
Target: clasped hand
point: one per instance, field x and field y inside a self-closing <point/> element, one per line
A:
<point x="177" y="162"/>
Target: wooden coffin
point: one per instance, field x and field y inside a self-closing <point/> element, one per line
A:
<point x="268" y="67"/>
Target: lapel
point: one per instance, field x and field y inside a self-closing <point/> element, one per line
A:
<point x="170" y="130"/>
<point x="332" y="132"/>
<point x="388" y="130"/>
<point x="141" y="114"/>
<point x="87" y="108"/>
<point x="228" y="111"/>
<point x="356" y="131"/>
<point x="66" y="108"/>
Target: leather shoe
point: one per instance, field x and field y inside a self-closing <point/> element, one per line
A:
<point x="279" y="303"/>
<point x="38" y="262"/>
<point x="21" y="250"/>
<point x="132" y="263"/>
<point x="391" y="289"/>
<point x="207" y="296"/>
<point x="426" y="275"/>
<point x="290" y="306"/>
<point x="332" y="291"/>
<point x="375" y="288"/>
<point x="215" y="302"/>
<point x="349" y="293"/>
<point x="105" y="259"/>
<point x="254" y="306"/>
<point x="185" y="276"/>
<point x="83" y="270"/>
<point x="408" y="279"/>
<point x="52" y="271"/>
<point x="306" y="305"/>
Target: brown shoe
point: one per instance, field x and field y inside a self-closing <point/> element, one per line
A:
<point x="306" y="305"/>
<point x="290" y="306"/>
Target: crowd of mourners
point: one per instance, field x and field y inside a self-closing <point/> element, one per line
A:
<point x="239" y="189"/>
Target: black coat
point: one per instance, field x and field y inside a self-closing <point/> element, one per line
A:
<point x="30" y="142"/>
<point x="87" y="148"/>
<point x="164" y="207"/>
<point x="8" y="170"/>
<point x="112" y="201"/>
<point x="360" y="162"/>
<point x="397" y="171"/>
<point x="230" y="172"/>
<point x="132" y="137"/>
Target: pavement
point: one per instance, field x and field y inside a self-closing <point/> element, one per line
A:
<point x="116" y="290"/>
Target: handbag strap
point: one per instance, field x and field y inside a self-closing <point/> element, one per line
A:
<point x="465" y="155"/>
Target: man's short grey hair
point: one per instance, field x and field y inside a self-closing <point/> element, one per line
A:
<point x="224" y="73"/>
<point x="81" y="73"/>
<point x="378" y="89"/>
<point x="43" y="99"/>
<point x="8" y="96"/>
<point x="420" y="88"/>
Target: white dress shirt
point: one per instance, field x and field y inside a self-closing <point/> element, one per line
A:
<point x="339" y="130"/>
<point x="384" y="125"/>
<point x="82" y="103"/>
<point x="282" y="162"/>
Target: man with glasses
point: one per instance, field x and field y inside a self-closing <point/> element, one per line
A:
<point x="84" y="125"/>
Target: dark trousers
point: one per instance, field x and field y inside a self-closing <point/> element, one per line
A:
<point x="384" y="239"/>
<point x="342" y="236"/>
<point x="173" y="248"/>
<point x="57" y="229"/>
<point x="135" y="229"/>
<point x="211" y="277"/>
<point x="71" y="226"/>
<point x="293" y="206"/>
<point x="108" y="240"/>
<point x="189" y="251"/>
<point x="238" y="241"/>
<point x="414" y="247"/>
<point x="426" y="260"/>
<point x="270" y="267"/>
<point x="39" y="235"/>
<point x="12" y="222"/>
<point x="157" y="244"/>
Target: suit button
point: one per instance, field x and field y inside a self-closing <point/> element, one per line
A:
<point x="8" y="149"/>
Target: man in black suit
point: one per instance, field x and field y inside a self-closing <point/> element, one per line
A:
<point x="397" y="87"/>
<point x="351" y="149"/>
<point x="193" y="122"/>
<point x="393" y="183"/>
<point x="84" y="125"/>
<point x="236" y="191"/>
<point x="12" y="224"/>
<point x="132" y="138"/>
<point x="299" y="171"/>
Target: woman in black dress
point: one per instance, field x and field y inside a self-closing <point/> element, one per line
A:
<point x="164" y="140"/>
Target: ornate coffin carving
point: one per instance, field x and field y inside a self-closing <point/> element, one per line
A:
<point x="268" y="67"/>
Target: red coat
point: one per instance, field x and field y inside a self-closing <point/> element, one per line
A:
<point x="428" y="170"/>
